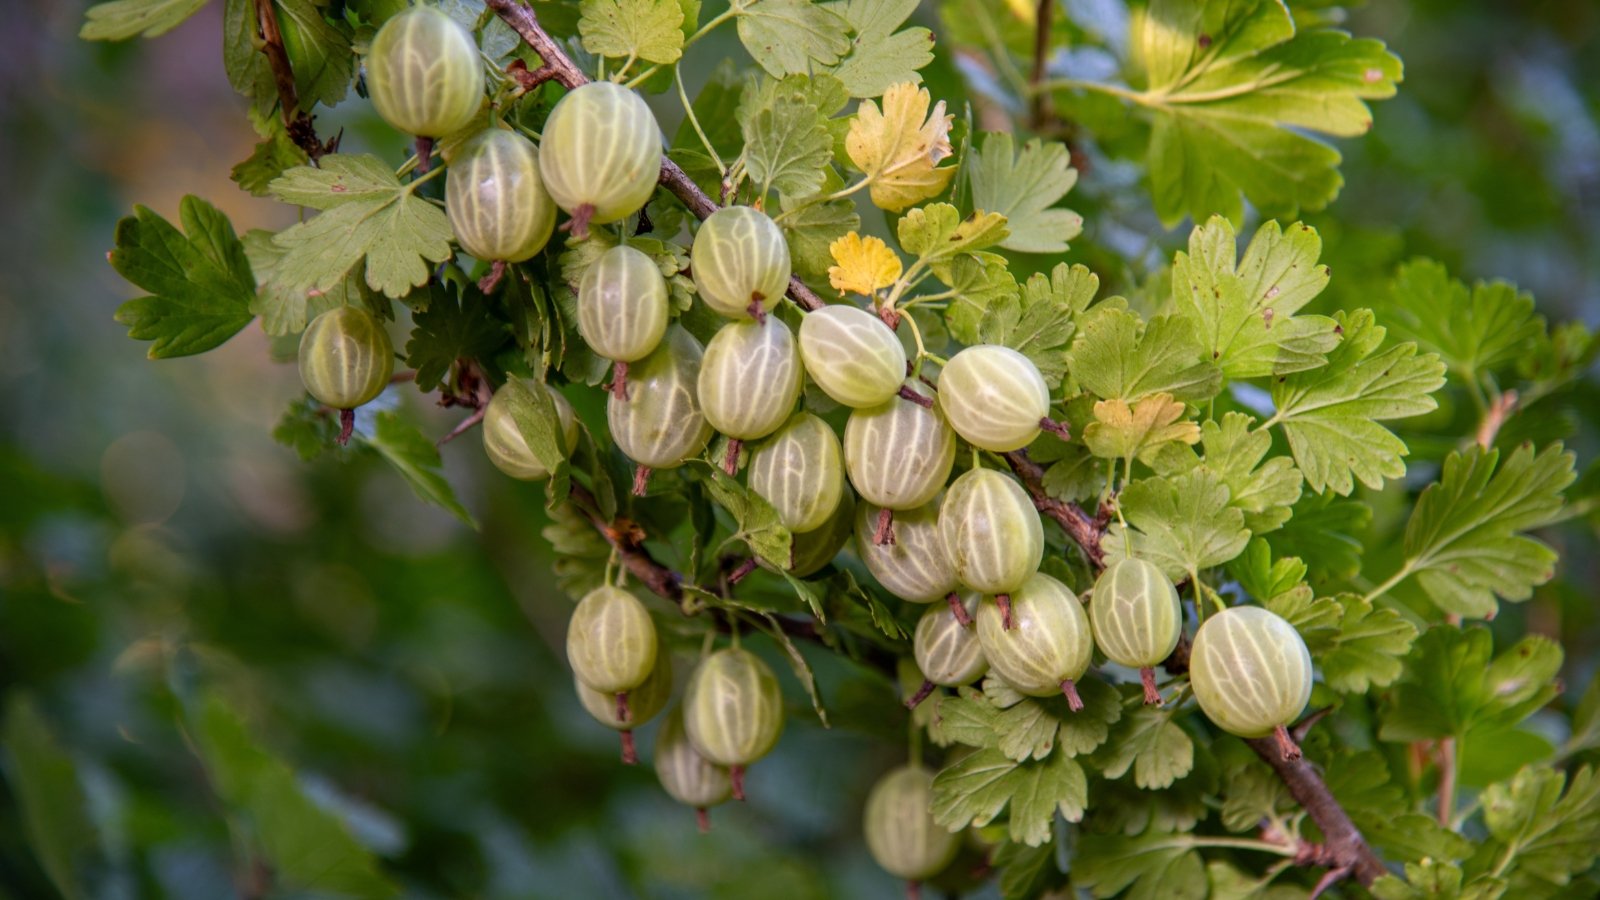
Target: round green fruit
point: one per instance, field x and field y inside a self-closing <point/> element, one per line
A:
<point x="496" y="200"/>
<point x="750" y="378"/>
<point x="733" y="711"/>
<point x="914" y="566"/>
<point x="852" y="355"/>
<point x="1137" y="618"/>
<point x="994" y="397"/>
<point x="901" y="833"/>
<point x="740" y="262"/>
<point x="899" y="453"/>
<point x="504" y="444"/>
<point x="611" y="640"/>
<point x="991" y="532"/>
<point x="345" y="358"/>
<point x="641" y="705"/>
<point x="811" y="550"/>
<point x="688" y="777"/>
<point x="423" y="73"/>
<point x="622" y="305"/>
<point x="798" y="470"/>
<point x="600" y="154"/>
<point x="659" y="423"/>
<point x="949" y="652"/>
<point x="1250" y="671"/>
<point x="1048" y="645"/>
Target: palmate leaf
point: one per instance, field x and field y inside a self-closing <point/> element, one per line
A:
<point x="272" y="157"/>
<point x="452" y="327"/>
<point x="879" y="56"/>
<point x="789" y="37"/>
<point x="814" y="228"/>
<point x="756" y="520"/>
<point x="1330" y="415"/>
<point x="982" y="282"/>
<point x="119" y="20"/>
<point x="938" y="235"/>
<point x="1264" y="491"/>
<point x="1464" y="542"/>
<point x="862" y="265"/>
<point x="1244" y="311"/>
<point x="1182" y="524"/>
<point x="1120" y="431"/>
<point x="200" y="283"/>
<point x="787" y="145"/>
<point x="651" y="30"/>
<point x="1232" y="87"/>
<point x="1431" y="879"/>
<point x="417" y="460"/>
<point x="1023" y="188"/>
<point x="1149" y="744"/>
<point x="900" y="147"/>
<point x="1546" y="833"/>
<point x="1452" y="686"/>
<point x="1032" y="727"/>
<point x="1475" y="332"/>
<point x="982" y="784"/>
<point x="1039" y="321"/>
<point x="1156" y="865"/>
<point x="1112" y="357"/>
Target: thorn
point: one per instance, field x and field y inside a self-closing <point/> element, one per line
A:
<point x="958" y="609"/>
<point x="1286" y="744"/>
<point x="347" y="424"/>
<point x="1152" y="694"/>
<point x="1004" y="602"/>
<point x="1070" y="691"/>
<point x="630" y="756"/>
<point x="884" y="533"/>
<point x="736" y="775"/>
<point x="641" y="480"/>
<point x="922" y="694"/>
<point x="730" y="461"/>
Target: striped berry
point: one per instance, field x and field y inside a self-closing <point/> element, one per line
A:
<point x="611" y="640"/>
<point x="688" y="777"/>
<point x="898" y="823"/>
<point x="899" y="453"/>
<point x="643" y="702"/>
<point x="346" y="358"/>
<point x="600" y="154"/>
<point x="991" y="532"/>
<point x="496" y="200"/>
<point x="1251" y="673"/>
<point x="1137" y="618"/>
<point x="740" y="262"/>
<point x="798" y="470"/>
<point x="914" y="566"/>
<point x="1047" y="646"/>
<point x="504" y="444"/>
<point x="423" y="73"/>
<point x="733" y="711"/>
<point x="994" y="397"/>
<point x="622" y="308"/>
<point x="852" y="355"/>
<point x="658" y="423"/>
<point x="750" y="380"/>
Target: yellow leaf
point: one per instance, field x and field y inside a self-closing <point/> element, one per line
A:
<point x="1121" y="432"/>
<point x="864" y="264"/>
<point x="900" y="147"/>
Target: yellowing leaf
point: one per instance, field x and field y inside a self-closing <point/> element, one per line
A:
<point x="863" y="264"/>
<point x="899" y="148"/>
<point x="1122" y="432"/>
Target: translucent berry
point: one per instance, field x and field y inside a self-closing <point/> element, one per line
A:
<point x="991" y="532"/>
<point x="914" y="566"/>
<point x="1047" y="647"/>
<point x="1251" y="673"/>
<point x="640" y="706"/>
<point x="798" y="470"/>
<point x="994" y="397"/>
<point x="1137" y="618"/>
<point x="947" y="651"/>
<point x="899" y="827"/>
<point x="504" y="444"/>
<point x="899" y="453"/>
<point x="611" y="640"/>
<point x="688" y="777"/>
<point x="733" y="711"/>
<point x="496" y="200"/>
<point x="750" y="378"/>
<point x="622" y="305"/>
<point x="423" y="73"/>
<point x="600" y="154"/>
<point x="852" y="355"/>
<point x="346" y="359"/>
<point x="740" y="262"/>
<point x="658" y="423"/>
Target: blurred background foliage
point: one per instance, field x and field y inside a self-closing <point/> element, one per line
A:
<point x="193" y="622"/>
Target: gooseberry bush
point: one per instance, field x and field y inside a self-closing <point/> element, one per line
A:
<point x="811" y="361"/>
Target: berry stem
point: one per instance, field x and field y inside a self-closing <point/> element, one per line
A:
<point x="743" y="569"/>
<point x="619" y="380"/>
<point x="578" y="225"/>
<point x="496" y="274"/>
<point x="630" y="755"/>
<point x="730" y="460"/>
<point x="1004" y="602"/>
<point x="958" y="609"/>
<point x="884" y="533"/>
<point x="913" y="890"/>
<point x="756" y="310"/>
<point x="922" y="400"/>
<point x="1059" y="429"/>
<point x="702" y="818"/>
<point x="922" y="693"/>
<point x="1286" y="744"/>
<point x="424" y="155"/>
<point x="347" y="424"/>
<point x="736" y="777"/>
<point x="1070" y="691"/>
<point x="641" y="480"/>
<point x="622" y="706"/>
<point x="1152" y="694"/>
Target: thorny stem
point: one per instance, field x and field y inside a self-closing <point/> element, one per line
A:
<point x="298" y="124"/>
<point x="1345" y="848"/>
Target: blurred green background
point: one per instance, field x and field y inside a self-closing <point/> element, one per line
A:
<point x="157" y="548"/>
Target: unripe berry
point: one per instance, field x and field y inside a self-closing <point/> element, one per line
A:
<point x="852" y="355"/>
<point x="641" y="705"/>
<point x="423" y="73"/>
<point x="798" y="471"/>
<point x="948" y="652"/>
<point x="899" y="827"/>
<point x="600" y="154"/>
<point x="811" y="550"/>
<point x="622" y="305"/>
<point x="733" y="711"/>
<point x="991" y="532"/>
<point x="1250" y="671"/>
<point x="994" y="397"/>
<point x="740" y="262"/>
<point x="750" y="378"/>
<point x="1047" y="647"/>
<point x="1137" y="618"/>
<point x="899" y="453"/>
<point x="659" y="423"/>
<point x="504" y="444"/>
<point x="345" y="357"/>
<point x="688" y="777"/>
<point x="496" y="200"/>
<point x="914" y="567"/>
<point x="611" y="640"/>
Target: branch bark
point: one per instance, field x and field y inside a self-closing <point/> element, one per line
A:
<point x="1345" y="849"/>
<point x="525" y="22"/>
<point x="298" y="125"/>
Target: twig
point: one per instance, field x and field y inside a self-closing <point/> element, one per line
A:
<point x="1344" y="847"/>
<point x="1041" y="107"/>
<point x="525" y="22"/>
<point x="298" y="125"/>
<point x="1083" y="530"/>
<point x="1495" y="416"/>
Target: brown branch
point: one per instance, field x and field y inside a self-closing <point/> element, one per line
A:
<point x="1083" y="530"/>
<point x="1343" y="847"/>
<point x="525" y="22"/>
<point x="1042" y="107"/>
<point x="298" y="125"/>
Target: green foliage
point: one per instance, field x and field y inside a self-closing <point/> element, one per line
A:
<point x="650" y="30"/>
<point x="1023" y="188"/>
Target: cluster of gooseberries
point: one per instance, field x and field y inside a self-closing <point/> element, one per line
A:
<point x="970" y="549"/>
